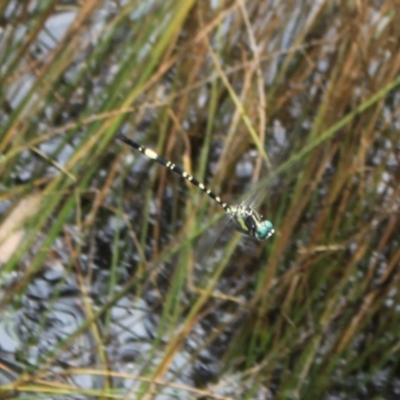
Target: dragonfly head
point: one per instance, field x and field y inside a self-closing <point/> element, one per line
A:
<point x="264" y="230"/>
<point x="250" y="222"/>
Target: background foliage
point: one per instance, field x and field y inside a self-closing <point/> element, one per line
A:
<point x="115" y="280"/>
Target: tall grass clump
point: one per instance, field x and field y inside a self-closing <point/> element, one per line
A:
<point x="117" y="279"/>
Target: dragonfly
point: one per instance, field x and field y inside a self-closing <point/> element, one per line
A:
<point x="247" y="220"/>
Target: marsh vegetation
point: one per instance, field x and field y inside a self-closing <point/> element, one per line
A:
<point x="117" y="278"/>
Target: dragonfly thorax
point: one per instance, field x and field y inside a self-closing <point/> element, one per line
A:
<point x="248" y="221"/>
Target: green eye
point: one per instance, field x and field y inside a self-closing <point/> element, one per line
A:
<point x="264" y="230"/>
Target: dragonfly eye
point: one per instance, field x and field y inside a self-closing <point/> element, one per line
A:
<point x="264" y="230"/>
